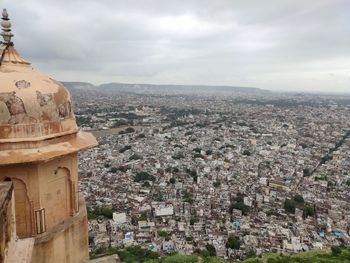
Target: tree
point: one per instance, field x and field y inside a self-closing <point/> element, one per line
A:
<point x="203" y="252"/>
<point x="130" y="130"/>
<point x="119" y="123"/>
<point x="95" y="212"/>
<point x="216" y="183"/>
<point x="144" y="176"/>
<point x="146" y="184"/>
<point x="211" y="249"/>
<point x="142" y="217"/>
<point x="198" y="155"/>
<point x="113" y="170"/>
<point x="135" y="157"/>
<point x="197" y="150"/>
<point x="239" y="204"/>
<point x="233" y="243"/>
<point x="91" y="240"/>
<point x="163" y="234"/>
<point x="348" y="182"/>
<point x="123" y="168"/>
<point x="246" y="152"/>
<point x="141" y="135"/>
<point x="214" y="260"/>
<point x="180" y="259"/>
<point x="308" y="211"/>
<point x="159" y="196"/>
<point x="336" y="250"/>
<point x="136" y="254"/>
<point x="194" y="175"/>
<point x="289" y="206"/>
<point x="299" y="199"/>
<point x="193" y="220"/>
<point x="107" y="212"/>
<point x="178" y="156"/>
<point x="187" y="197"/>
<point x="172" y="180"/>
<point x="125" y="148"/>
<point x="189" y="239"/>
<point x="303" y="145"/>
<point x="298" y="202"/>
<point x="306" y="172"/>
<point x="251" y="253"/>
<point x="239" y="198"/>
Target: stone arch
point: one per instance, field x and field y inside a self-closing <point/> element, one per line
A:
<point x="23" y="207"/>
<point x="72" y="188"/>
<point x="58" y="197"/>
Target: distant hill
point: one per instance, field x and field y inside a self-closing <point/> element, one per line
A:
<point x="117" y="88"/>
<point x="176" y="89"/>
<point x="78" y="85"/>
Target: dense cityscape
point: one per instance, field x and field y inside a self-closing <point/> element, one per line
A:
<point x="235" y="176"/>
<point x="175" y="131"/>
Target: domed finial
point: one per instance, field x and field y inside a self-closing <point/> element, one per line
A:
<point x="6" y="28"/>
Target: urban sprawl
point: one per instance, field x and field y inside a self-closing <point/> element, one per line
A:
<point x="242" y="175"/>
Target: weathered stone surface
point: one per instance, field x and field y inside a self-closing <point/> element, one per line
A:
<point x="37" y="107"/>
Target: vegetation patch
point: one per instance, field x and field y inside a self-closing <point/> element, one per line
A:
<point x="144" y="176"/>
<point x="298" y="202"/>
<point x="95" y="212"/>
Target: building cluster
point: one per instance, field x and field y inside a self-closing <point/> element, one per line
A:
<point x="242" y="176"/>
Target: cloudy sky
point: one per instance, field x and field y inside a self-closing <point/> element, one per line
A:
<point x="273" y="44"/>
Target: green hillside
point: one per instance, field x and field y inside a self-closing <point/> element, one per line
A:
<point x="334" y="255"/>
<point x="140" y="255"/>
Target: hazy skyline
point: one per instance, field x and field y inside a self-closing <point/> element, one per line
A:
<point x="276" y="44"/>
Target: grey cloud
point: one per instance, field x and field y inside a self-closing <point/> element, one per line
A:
<point x="274" y="44"/>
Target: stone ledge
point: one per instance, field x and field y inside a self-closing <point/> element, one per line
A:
<point x="44" y="153"/>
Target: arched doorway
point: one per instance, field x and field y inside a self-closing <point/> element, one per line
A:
<point x="23" y="209"/>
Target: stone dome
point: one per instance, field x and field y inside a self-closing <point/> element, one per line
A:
<point x="33" y="106"/>
<point x="36" y="119"/>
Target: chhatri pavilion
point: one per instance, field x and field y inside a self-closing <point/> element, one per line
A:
<point x="43" y="217"/>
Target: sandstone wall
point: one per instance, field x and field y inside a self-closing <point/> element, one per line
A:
<point x="66" y="243"/>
